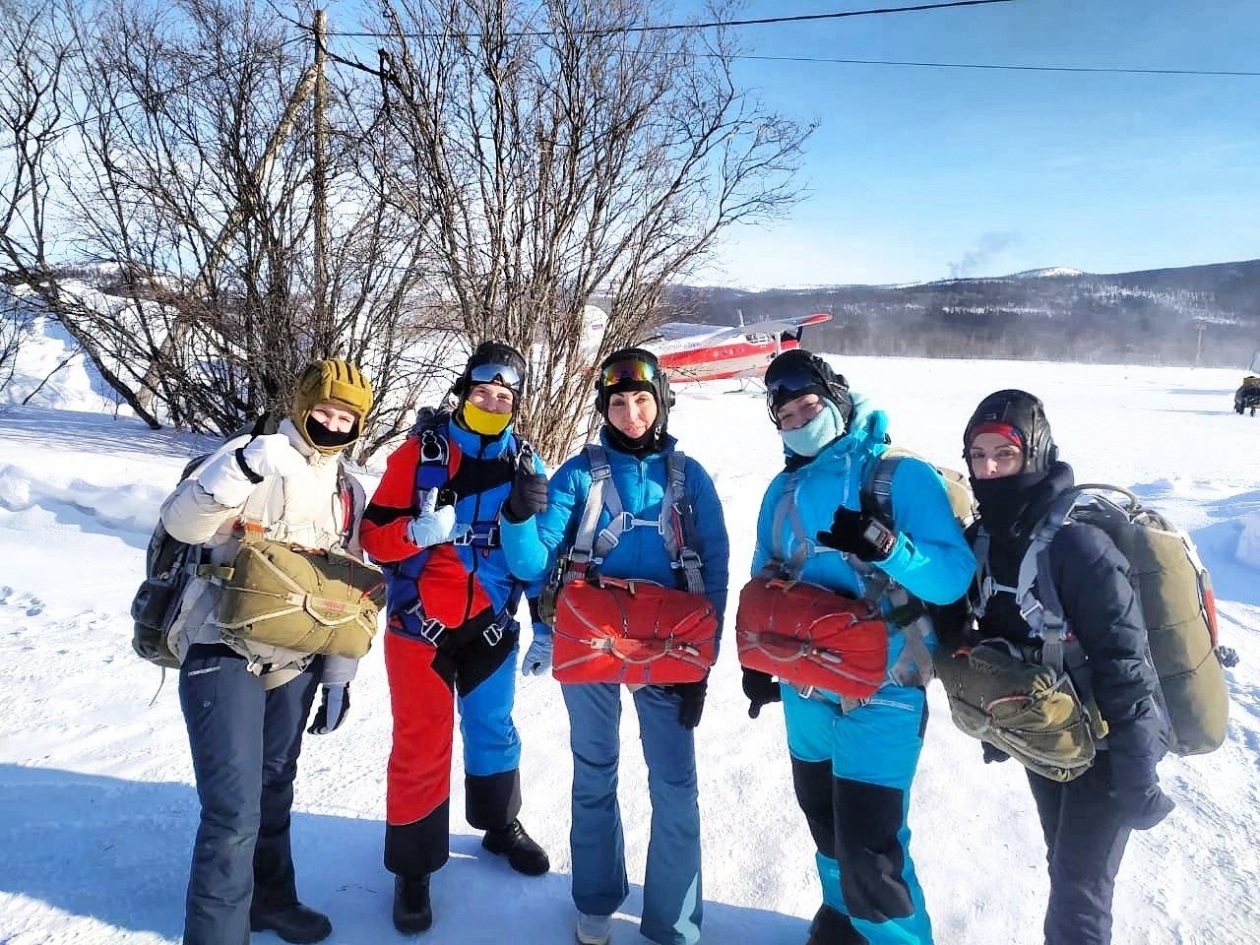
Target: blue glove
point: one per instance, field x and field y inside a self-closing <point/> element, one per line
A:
<point x="333" y="708"/>
<point x="538" y="657"/>
<point x="1142" y="804"/>
<point x="432" y="526"/>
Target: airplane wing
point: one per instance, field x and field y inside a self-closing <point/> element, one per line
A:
<point x="673" y="334"/>
<point x="776" y="325"/>
<point x="684" y="334"/>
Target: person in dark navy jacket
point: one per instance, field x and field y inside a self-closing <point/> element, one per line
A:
<point x="1016" y="475"/>
<point x="434" y="525"/>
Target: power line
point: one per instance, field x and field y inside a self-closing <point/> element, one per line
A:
<point x="713" y="24"/>
<point x="1114" y="70"/>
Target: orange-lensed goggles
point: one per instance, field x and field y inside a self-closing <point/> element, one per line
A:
<point x="628" y="371"/>
<point x="620" y="372"/>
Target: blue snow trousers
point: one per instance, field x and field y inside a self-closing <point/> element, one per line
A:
<point x="245" y="742"/>
<point x="852" y="772"/>
<point x="672" y="892"/>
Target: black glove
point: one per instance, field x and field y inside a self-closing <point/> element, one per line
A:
<point x="861" y="535"/>
<point x="692" y="705"/>
<point x="528" y="496"/>
<point x="1142" y="804"/>
<point x="761" y="689"/>
<point x="994" y="754"/>
<point x="332" y="710"/>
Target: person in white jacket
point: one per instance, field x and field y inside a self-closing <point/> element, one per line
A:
<point x="246" y="704"/>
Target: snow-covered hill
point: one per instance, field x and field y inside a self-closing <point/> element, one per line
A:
<point x="97" y="804"/>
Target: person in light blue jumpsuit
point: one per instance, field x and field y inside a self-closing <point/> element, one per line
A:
<point x="540" y="525"/>
<point x="853" y="761"/>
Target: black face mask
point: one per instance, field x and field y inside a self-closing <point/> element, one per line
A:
<point x="1003" y="500"/>
<point x="649" y="442"/>
<point x="325" y="438"/>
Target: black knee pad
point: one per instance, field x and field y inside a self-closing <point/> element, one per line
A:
<point x="812" y="780"/>
<point x="872" y="860"/>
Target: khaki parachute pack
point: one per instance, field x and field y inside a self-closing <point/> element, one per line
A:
<point x="1004" y="695"/>
<point x="995" y="701"/>
<point x="274" y="593"/>
<point x="299" y="599"/>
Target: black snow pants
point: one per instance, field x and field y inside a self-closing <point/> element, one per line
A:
<point x="1085" y="839"/>
<point x="245" y="742"/>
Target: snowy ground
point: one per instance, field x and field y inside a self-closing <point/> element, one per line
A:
<point x="98" y="808"/>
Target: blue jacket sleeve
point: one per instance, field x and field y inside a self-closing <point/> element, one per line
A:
<point x="533" y="547"/>
<point x="931" y="558"/>
<point x="714" y="545"/>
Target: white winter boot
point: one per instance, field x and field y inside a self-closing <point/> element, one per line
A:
<point x="594" y="929"/>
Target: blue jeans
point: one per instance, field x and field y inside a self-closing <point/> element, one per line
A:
<point x="672" y="891"/>
<point x="852" y="773"/>
<point x="245" y="743"/>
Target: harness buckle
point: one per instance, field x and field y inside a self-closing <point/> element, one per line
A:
<point x="493" y="634"/>
<point x="688" y="559"/>
<point x="487" y="538"/>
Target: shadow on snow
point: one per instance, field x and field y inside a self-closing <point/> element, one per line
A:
<point x="118" y="851"/>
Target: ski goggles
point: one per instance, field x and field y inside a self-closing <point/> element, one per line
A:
<point x="792" y="385"/>
<point x="504" y="375"/>
<point x="621" y="372"/>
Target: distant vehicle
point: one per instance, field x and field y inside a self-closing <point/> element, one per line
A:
<point x="694" y="352"/>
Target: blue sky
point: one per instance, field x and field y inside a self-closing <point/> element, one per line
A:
<point x="919" y="174"/>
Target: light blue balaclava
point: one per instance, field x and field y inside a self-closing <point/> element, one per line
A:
<point x="823" y="430"/>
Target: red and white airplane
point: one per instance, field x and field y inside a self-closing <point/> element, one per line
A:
<point x="694" y="352"/>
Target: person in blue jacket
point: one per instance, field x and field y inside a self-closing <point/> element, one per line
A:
<point x="853" y="761"/>
<point x="1017" y="476"/>
<point x="540" y="526"/>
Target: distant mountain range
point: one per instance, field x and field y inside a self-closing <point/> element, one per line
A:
<point x="1209" y="314"/>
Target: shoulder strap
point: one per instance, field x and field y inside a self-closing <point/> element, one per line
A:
<point x="677" y="523"/>
<point x="1043" y="611"/>
<point x="601" y="485"/>
<point x="787" y="513"/>
<point x="876" y="491"/>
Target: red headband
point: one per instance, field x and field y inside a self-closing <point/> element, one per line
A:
<point x="1001" y="429"/>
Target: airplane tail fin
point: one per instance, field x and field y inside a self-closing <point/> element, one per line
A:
<point x="594" y="323"/>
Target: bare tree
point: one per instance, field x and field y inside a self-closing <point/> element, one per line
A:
<point x="198" y="180"/>
<point x="554" y="151"/>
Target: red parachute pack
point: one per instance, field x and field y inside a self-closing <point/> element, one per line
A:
<point x="810" y="636"/>
<point x="634" y="632"/>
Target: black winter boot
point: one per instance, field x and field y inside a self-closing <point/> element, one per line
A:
<point x="412" y="911"/>
<point x="524" y="855"/>
<point x="295" y="923"/>
<point x="833" y="928"/>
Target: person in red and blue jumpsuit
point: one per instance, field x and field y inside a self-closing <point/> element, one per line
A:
<point x="451" y="634"/>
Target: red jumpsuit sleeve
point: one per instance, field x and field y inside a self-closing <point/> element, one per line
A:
<point x="384" y="529"/>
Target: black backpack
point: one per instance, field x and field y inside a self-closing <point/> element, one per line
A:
<point x="169" y="565"/>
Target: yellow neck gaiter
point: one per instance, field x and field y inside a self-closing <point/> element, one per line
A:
<point x="483" y="421"/>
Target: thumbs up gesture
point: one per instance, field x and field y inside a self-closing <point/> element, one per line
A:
<point x="528" y="496"/>
<point x="433" y="525"/>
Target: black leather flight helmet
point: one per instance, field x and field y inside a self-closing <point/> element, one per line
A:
<point x="1027" y="415"/>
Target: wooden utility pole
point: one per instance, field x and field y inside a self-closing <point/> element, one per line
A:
<point x="319" y="189"/>
<point x="219" y="249"/>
